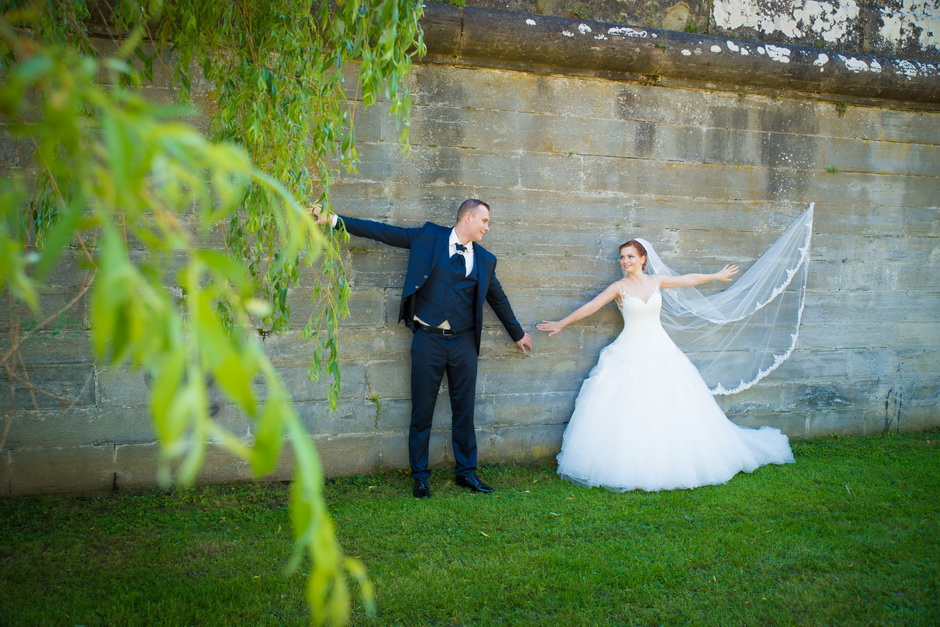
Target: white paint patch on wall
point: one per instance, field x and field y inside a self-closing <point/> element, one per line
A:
<point x="826" y="20"/>
<point x="860" y="65"/>
<point x="916" y="21"/>
<point x="778" y="53"/>
<point x="626" y="32"/>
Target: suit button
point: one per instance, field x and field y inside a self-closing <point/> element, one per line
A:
<point x="425" y="276"/>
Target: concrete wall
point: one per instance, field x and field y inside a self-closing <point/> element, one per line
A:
<point x="573" y="163"/>
<point x="907" y="28"/>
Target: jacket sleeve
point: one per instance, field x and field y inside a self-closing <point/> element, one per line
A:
<point x="498" y="300"/>
<point x="400" y="237"/>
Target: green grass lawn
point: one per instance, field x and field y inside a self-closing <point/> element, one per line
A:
<point x="849" y="534"/>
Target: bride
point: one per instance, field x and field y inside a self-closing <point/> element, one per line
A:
<point x="645" y="418"/>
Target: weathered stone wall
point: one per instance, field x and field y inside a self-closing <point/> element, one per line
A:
<point x="573" y="163"/>
<point x="906" y="28"/>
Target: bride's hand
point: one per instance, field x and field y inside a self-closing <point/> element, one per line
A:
<point x="551" y="327"/>
<point x="726" y="273"/>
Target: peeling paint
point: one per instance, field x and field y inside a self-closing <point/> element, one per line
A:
<point x="687" y="53"/>
<point x="584" y="29"/>
<point x="859" y="65"/>
<point x="567" y="33"/>
<point x="626" y="32"/>
<point x="733" y="47"/>
<point x="908" y="69"/>
<point x="716" y="49"/>
<point x="912" y="22"/>
<point x="827" y="20"/>
<point x="821" y="60"/>
<point x="600" y="36"/>
<point x="778" y="53"/>
<point x="530" y="22"/>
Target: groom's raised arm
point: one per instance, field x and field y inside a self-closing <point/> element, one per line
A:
<point x="385" y="233"/>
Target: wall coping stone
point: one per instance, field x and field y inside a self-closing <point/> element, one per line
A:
<point x="482" y="37"/>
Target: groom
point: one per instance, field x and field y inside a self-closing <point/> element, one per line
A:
<point x="449" y="276"/>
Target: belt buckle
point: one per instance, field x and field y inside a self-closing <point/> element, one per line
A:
<point x="447" y="332"/>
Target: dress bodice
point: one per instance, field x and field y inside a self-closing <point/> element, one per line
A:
<point x="640" y="314"/>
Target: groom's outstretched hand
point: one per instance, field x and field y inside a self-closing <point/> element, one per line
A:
<point x="317" y="211"/>
<point x="525" y="343"/>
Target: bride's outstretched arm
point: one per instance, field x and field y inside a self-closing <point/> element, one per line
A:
<point x="583" y="311"/>
<point x="687" y="280"/>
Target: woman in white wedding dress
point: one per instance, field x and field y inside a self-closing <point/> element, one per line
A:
<point x="645" y="418"/>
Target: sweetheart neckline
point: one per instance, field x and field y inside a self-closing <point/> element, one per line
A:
<point x="625" y="295"/>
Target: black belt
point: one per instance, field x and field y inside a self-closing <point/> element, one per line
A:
<point x="439" y="331"/>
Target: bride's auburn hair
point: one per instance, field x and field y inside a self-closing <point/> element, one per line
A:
<point x="639" y="248"/>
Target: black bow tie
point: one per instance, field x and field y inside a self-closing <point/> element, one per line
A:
<point x="460" y="247"/>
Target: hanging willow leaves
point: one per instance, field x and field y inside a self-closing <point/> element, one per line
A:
<point x="123" y="184"/>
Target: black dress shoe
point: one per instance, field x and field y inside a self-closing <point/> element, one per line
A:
<point x="471" y="481"/>
<point x="421" y="489"/>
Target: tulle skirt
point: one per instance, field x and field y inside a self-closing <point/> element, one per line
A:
<point x="644" y="419"/>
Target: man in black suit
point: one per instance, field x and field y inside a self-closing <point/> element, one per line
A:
<point x="449" y="276"/>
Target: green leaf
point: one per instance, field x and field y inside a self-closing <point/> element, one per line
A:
<point x="59" y="237"/>
<point x="269" y="437"/>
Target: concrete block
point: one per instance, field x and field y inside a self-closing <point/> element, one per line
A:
<point x="5" y="474"/>
<point x="525" y="409"/>
<point x="123" y="387"/>
<point x="871" y="306"/>
<point x="50" y="387"/>
<point x="51" y="300"/>
<point x="365" y="307"/>
<point x="351" y="416"/>
<point x="836" y="421"/>
<point x="449" y="166"/>
<point x="221" y="466"/>
<point x="395" y="416"/>
<point x="389" y="379"/>
<point x="827" y="395"/>
<point x="301" y="388"/>
<point x="878" y="157"/>
<point x="52" y="347"/>
<point x="520" y="443"/>
<point x="511" y="376"/>
<point x="381" y="343"/>
<point x="794" y="424"/>
<point x="916" y="127"/>
<point x="542" y="171"/>
<point x="78" y="426"/>
<point x="8" y="151"/>
<point x="513" y="91"/>
<point x="393" y="449"/>
<point x="136" y="466"/>
<point x="348" y="454"/>
<point x="62" y="470"/>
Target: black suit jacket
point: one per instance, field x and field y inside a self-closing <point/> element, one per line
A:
<point x="428" y="245"/>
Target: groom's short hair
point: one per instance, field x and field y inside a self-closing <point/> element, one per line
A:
<point x="470" y="205"/>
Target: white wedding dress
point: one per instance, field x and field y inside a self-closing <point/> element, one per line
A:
<point x="645" y="419"/>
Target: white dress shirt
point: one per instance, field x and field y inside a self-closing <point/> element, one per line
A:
<point x="467" y="254"/>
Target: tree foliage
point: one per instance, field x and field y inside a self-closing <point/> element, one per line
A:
<point x="141" y="197"/>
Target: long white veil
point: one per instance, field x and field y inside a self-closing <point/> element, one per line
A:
<point x="740" y="335"/>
